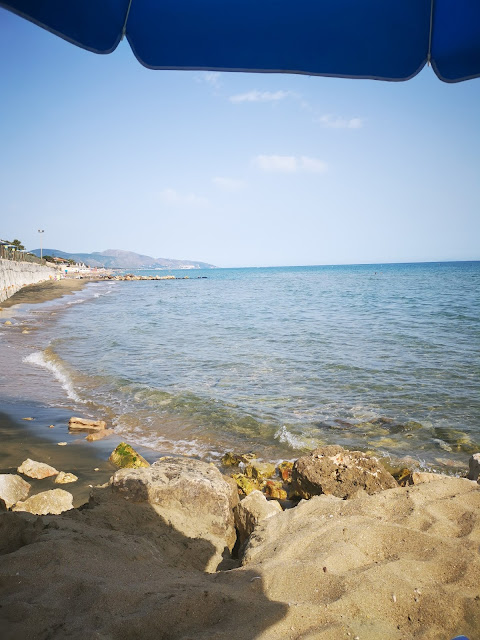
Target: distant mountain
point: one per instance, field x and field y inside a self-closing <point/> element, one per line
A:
<point x="118" y="259"/>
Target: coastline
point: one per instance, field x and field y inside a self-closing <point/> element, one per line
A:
<point x="44" y="291"/>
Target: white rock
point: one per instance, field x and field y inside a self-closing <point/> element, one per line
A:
<point x="82" y="424"/>
<point x="64" y="478"/>
<point x="474" y="467"/>
<point x="13" y="488"/>
<point x="52" y="502"/>
<point x="252" y="510"/>
<point x="37" y="470"/>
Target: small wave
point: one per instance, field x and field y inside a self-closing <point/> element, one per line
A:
<point x="283" y="435"/>
<point x="39" y="359"/>
<point x="77" y="301"/>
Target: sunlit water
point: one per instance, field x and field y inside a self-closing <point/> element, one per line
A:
<point x="280" y="360"/>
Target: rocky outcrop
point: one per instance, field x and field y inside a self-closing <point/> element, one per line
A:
<point x="125" y="457"/>
<point x="13" y="488"/>
<point x="334" y="470"/>
<point x="191" y="496"/>
<point x="37" y="470"/>
<point x="54" y="502"/>
<point x="252" y="510"/>
<point x="83" y="424"/>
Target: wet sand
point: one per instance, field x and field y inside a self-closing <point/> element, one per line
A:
<point x="21" y="439"/>
<point x="44" y="291"/>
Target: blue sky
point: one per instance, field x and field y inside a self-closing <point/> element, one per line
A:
<point x="234" y="169"/>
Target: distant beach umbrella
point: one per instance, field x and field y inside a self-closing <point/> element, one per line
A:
<point x="378" y="39"/>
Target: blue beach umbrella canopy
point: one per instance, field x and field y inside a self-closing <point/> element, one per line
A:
<point x="378" y="39"/>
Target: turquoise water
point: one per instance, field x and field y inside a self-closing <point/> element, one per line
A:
<point x="279" y="360"/>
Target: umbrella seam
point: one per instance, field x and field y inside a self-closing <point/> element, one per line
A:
<point x="430" y="35"/>
<point x="124" y="28"/>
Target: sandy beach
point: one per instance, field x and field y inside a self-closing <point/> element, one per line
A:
<point x="399" y="564"/>
<point x="44" y="291"/>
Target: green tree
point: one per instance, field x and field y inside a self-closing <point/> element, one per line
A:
<point x="18" y="244"/>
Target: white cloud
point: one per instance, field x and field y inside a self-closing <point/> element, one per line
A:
<point x="290" y="164"/>
<point x="172" y="197"/>
<point x="337" y="122"/>
<point x="228" y="184"/>
<point x="260" y="96"/>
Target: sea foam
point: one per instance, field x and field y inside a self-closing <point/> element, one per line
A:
<point x="39" y="359"/>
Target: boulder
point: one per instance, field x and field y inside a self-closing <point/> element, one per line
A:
<point x="53" y="502"/>
<point x="125" y="457"/>
<point x="37" y="470"/>
<point x="189" y="495"/>
<point x="13" y="488"/>
<point x="334" y="470"/>
<point x="251" y="510"/>
<point x="64" y="478"/>
<point x="82" y="424"/>
<point x="259" y="471"/>
<point x="285" y="471"/>
<point x="274" y="489"/>
<point x="420" y="477"/>
<point x="474" y="467"/>
<point x="246" y="485"/>
<point x="231" y="459"/>
<point x="99" y="435"/>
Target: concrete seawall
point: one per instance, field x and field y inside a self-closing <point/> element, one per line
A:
<point x="15" y="275"/>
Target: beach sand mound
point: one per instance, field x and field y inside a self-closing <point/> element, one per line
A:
<point x="400" y="564"/>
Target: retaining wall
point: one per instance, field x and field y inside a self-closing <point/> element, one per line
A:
<point x="15" y="275"/>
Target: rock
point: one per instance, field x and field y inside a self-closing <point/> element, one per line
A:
<point x="403" y="476"/>
<point x="474" y="467"/>
<point x="99" y="435"/>
<point x="336" y="471"/>
<point x="252" y="510"/>
<point x="82" y="424"/>
<point x="285" y="471"/>
<point x="234" y="459"/>
<point x="8" y="323"/>
<point x="28" y="418"/>
<point x="53" y="502"/>
<point x="37" y="470"/>
<point x="259" y="470"/>
<point x="420" y="477"/>
<point x="13" y="488"/>
<point x="247" y="485"/>
<point x="125" y="457"/>
<point x="274" y="489"/>
<point x="64" y="478"/>
<point x="62" y="444"/>
<point x="190" y="495"/>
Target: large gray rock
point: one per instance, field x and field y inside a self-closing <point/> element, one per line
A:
<point x="13" y="488"/>
<point x="52" y="502"/>
<point x="251" y="510"/>
<point x="37" y="470"/>
<point x="191" y="496"/>
<point x="335" y="471"/>
<point x="474" y="467"/>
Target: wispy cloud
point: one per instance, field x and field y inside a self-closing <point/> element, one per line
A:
<point x="228" y="184"/>
<point x="260" y="96"/>
<point x="337" y="122"/>
<point x="172" y="197"/>
<point x="211" y="78"/>
<point x="290" y="164"/>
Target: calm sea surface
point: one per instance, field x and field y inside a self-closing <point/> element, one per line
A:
<point x="279" y="360"/>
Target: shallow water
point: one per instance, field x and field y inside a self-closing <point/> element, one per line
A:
<point x="279" y="360"/>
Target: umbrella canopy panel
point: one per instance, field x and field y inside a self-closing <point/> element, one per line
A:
<point x="379" y="39"/>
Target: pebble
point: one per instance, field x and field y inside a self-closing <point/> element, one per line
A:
<point x="61" y="444"/>
<point x="28" y="418"/>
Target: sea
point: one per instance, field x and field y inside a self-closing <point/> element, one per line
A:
<point x="382" y="358"/>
